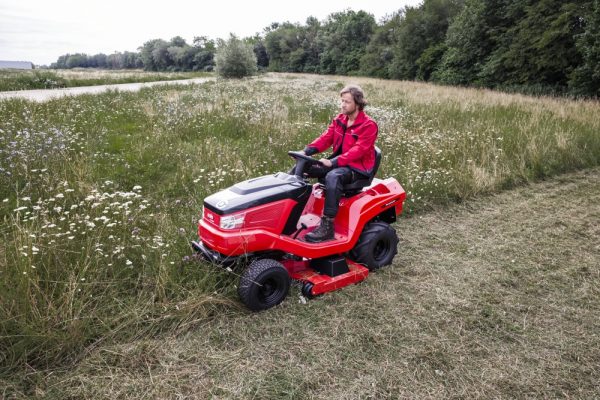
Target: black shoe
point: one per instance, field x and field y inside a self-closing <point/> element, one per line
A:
<point x="323" y="232"/>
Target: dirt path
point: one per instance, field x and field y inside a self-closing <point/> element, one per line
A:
<point x="49" y="94"/>
<point x="495" y="298"/>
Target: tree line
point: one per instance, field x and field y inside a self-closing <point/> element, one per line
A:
<point x="155" y="55"/>
<point x="533" y="46"/>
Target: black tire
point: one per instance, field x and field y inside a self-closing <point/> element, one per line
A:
<point x="376" y="246"/>
<point x="264" y="284"/>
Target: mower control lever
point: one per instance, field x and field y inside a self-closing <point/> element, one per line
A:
<point x="303" y="226"/>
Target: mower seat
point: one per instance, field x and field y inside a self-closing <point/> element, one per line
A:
<point x="353" y="188"/>
<point x="356" y="187"/>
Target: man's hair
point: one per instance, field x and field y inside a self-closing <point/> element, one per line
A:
<point x="357" y="94"/>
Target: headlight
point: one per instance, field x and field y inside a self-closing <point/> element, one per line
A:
<point x="232" y="221"/>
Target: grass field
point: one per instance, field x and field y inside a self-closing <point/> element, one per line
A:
<point x="494" y="298"/>
<point x="99" y="195"/>
<point x="60" y="78"/>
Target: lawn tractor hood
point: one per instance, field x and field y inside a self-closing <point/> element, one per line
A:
<point x="257" y="191"/>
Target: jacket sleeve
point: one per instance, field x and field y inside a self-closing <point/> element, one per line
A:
<point x="323" y="142"/>
<point x="365" y="142"/>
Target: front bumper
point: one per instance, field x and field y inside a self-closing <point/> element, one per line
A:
<point x="213" y="256"/>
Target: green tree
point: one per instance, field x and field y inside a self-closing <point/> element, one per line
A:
<point x="153" y="61"/>
<point x="235" y="59"/>
<point x="310" y="45"/>
<point x="468" y="44"/>
<point x="77" y="61"/>
<point x="283" y="43"/>
<point x="343" y="39"/>
<point x="538" y="47"/>
<point x="178" y="41"/>
<point x="260" y="50"/>
<point x="379" y="52"/>
<point x="585" y="79"/>
<point x="204" y="54"/>
<point x="422" y="28"/>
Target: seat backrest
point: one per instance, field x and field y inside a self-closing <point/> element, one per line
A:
<point x="377" y="162"/>
<point x="361" y="183"/>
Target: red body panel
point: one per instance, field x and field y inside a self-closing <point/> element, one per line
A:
<point x="263" y="224"/>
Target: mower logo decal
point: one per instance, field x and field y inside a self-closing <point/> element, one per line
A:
<point x="389" y="203"/>
<point x="222" y="204"/>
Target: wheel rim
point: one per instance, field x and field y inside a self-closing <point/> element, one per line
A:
<point x="270" y="290"/>
<point x="381" y="249"/>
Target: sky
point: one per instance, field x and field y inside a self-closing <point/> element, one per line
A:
<point x="42" y="30"/>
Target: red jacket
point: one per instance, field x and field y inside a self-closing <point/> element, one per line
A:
<point x="353" y="147"/>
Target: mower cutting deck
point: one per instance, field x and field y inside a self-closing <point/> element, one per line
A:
<point x="264" y="221"/>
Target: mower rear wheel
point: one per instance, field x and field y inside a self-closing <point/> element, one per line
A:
<point x="264" y="284"/>
<point x="376" y="246"/>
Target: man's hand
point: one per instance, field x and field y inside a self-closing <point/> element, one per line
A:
<point x="326" y="162"/>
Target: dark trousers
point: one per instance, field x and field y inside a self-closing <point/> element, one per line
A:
<point x="335" y="179"/>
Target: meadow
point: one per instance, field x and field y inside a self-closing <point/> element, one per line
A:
<point x="100" y="194"/>
<point x="11" y="79"/>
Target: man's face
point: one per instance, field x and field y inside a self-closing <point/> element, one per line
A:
<point x="347" y="104"/>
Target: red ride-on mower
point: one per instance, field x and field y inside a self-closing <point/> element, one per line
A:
<point x="263" y="221"/>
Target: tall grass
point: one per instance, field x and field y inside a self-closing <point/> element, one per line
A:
<point x="99" y="195"/>
<point x="53" y="79"/>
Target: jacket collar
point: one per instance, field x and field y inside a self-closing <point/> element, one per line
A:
<point x="360" y="118"/>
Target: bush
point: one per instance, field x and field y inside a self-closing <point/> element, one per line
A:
<point x="235" y="59"/>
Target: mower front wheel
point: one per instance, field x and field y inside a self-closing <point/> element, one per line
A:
<point x="265" y="284"/>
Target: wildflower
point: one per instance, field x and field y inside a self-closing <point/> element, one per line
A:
<point x="128" y="262"/>
<point x="5" y="201"/>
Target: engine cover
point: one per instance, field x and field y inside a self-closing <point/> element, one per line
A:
<point x="258" y="191"/>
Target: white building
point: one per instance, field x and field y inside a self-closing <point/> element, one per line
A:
<point x="16" y="64"/>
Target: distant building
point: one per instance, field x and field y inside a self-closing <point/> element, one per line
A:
<point x="16" y="64"/>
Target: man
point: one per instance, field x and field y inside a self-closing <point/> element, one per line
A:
<point x="352" y="135"/>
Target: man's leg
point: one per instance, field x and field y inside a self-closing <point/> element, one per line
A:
<point x="334" y="182"/>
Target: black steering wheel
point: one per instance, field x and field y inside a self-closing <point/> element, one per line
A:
<point x="302" y="160"/>
<point x="297" y="155"/>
